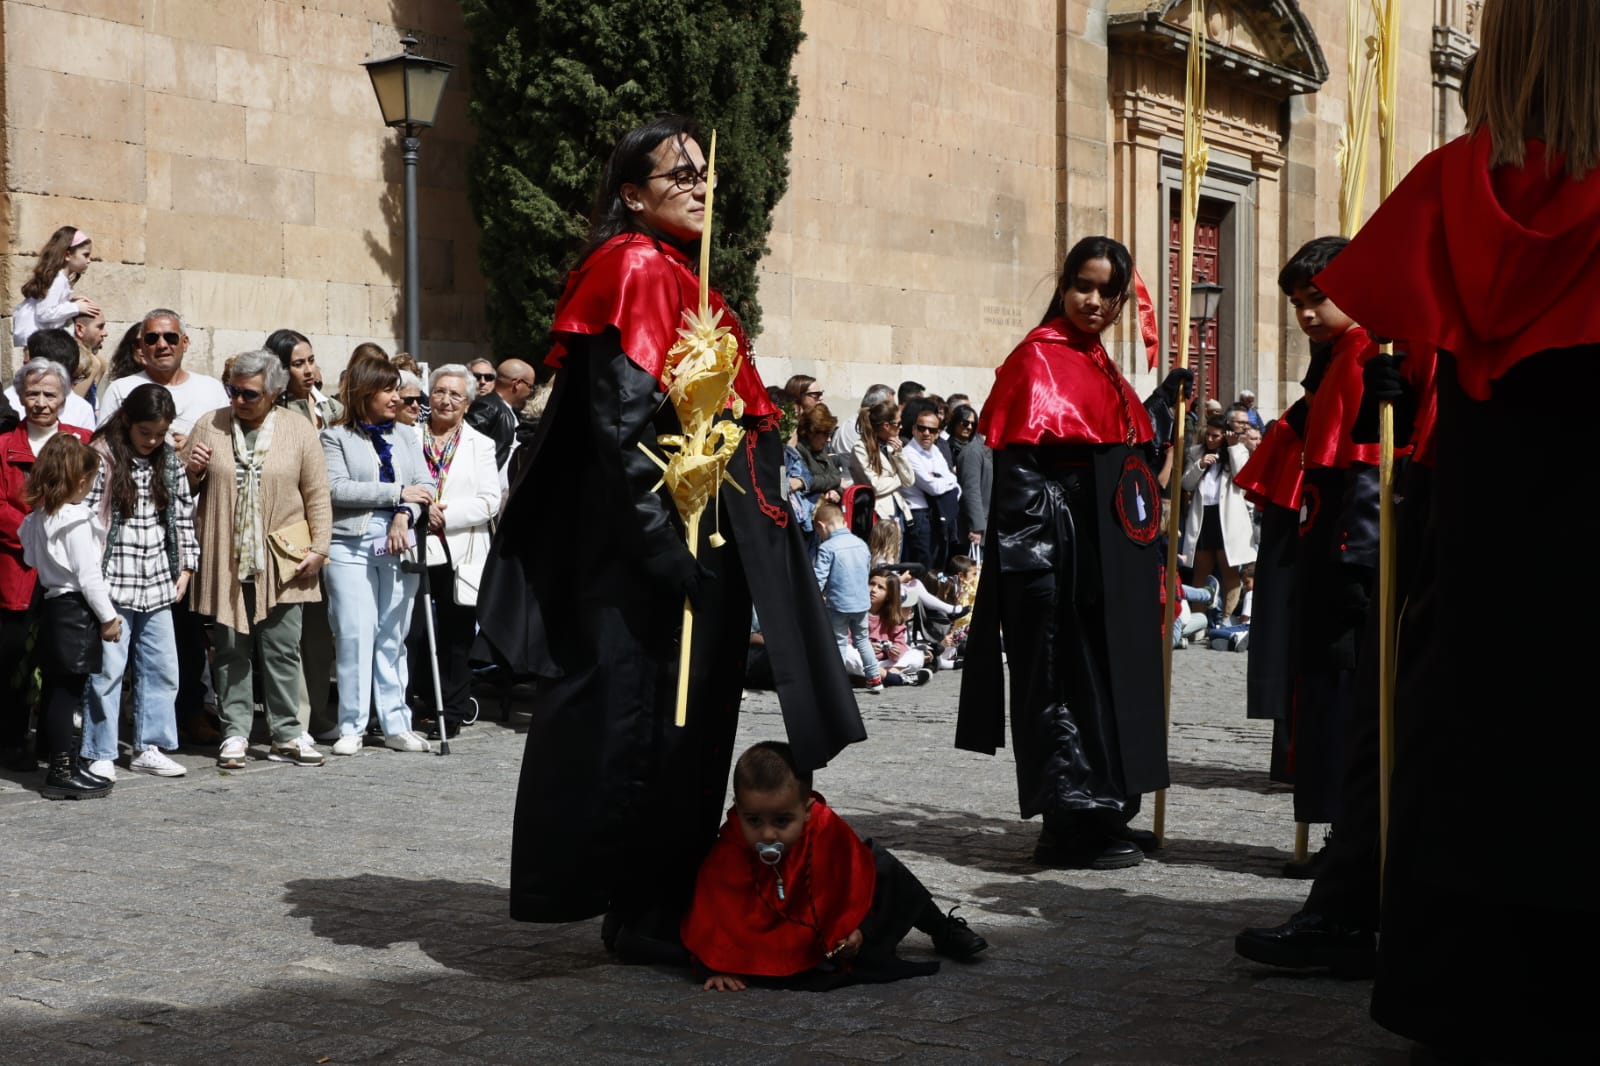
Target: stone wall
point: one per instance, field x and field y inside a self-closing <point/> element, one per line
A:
<point x="230" y="162"/>
<point x="228" y="159"/>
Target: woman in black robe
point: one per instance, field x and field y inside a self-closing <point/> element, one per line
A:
<point x="587" y="579"/>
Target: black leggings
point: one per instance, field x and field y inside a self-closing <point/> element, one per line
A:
<point x="63" y="694"/>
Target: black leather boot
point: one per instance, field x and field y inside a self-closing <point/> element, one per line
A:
<point x="64" y="780"/>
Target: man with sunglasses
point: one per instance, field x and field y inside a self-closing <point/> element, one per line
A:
<point x="483" y="373"/>
<point x="933" y="495"/>
<point x="159" y="351"/>
<point x="495" y="415"/>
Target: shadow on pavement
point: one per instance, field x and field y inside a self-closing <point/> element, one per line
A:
<point x="461" y="925"/>
<point x="1006" y="846"/>
<point x="1202" y="776"/>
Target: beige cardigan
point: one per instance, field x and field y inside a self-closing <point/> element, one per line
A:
<point x="294" y="487"/>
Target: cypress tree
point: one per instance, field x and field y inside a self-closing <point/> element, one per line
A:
<point x="556" y="82"/>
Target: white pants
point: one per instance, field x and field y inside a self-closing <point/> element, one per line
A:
<point x="911" y="660"/>
<point x="369" y="604"/>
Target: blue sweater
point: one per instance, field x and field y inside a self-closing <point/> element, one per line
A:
<point x="843" y="565"/>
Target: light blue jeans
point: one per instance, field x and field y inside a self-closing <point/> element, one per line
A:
<point x="850" y="632"/>
<point x="147" y="638"/>
<point x="369" y="604"/>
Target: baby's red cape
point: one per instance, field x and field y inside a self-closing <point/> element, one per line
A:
<point x="1060" y="387"/>
<point x="641" y="287"/>
<point x="1490" y="264"/>
<point x="737" y="924"/>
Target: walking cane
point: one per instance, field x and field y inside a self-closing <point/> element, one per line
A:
<point x="420" y="566"/>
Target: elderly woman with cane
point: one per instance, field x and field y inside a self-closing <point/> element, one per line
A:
<point x="264" y="524"/>
<point x="461" y="463"/>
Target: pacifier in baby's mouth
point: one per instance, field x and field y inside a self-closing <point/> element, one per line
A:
<point x="771" y="853"/>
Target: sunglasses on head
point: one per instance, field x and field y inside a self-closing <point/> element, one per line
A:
<point x="247" y="395"/>
<point x="170" y="338"/>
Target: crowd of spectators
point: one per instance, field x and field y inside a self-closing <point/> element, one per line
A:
<point x="259" y="539"/>
<point x="263" y="532"/>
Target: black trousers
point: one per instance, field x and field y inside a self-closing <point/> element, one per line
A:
<point x="14" y="707"/>
<point x="189" y="635"/>
<point x="455" y="627"/>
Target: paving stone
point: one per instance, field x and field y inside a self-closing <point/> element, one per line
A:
<point x="358" y="913"/>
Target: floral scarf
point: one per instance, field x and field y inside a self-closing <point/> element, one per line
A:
<point x="440" y="457"/>
<point x="249" y="534"/>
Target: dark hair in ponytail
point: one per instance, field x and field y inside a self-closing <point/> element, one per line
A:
<point x="631" y="163"/>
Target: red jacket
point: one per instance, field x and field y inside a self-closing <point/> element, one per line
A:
<point x="16" y="459"/>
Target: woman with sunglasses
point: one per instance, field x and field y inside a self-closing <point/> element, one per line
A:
<point x="411" y="400"/>
<point x="974" y="466"/>
<point x="588" y="593"/>
<point x="264" y="523"/>
<point x="1072" y="577"/>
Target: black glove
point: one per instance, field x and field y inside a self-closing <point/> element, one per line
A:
<point x="1181" y="377"/>
<point x="1382" y="381"/>
<point x="680" y="575"/>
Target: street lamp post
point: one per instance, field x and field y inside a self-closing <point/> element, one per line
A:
<point x="409" y="88"/>
<point x="1205" y="297"/>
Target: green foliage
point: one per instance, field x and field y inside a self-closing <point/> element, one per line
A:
<point x="556" y="82"/>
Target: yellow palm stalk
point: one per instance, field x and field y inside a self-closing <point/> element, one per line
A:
<point x="1195" y="155"/>
<point x="698" y="375"/>
<point x="1388" y="100"/>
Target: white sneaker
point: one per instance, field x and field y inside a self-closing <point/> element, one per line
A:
<point x="233" y="753"/>
<point x="152" y="761"/>
<point x="348" y="744"/>
<point x="104" y="768"/>
<point x="300" y="751"/>
<point x="407" y="741"/>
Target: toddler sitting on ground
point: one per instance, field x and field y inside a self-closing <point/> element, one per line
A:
<point x="789" y="896"/>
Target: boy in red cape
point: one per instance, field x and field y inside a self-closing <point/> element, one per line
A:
<point x="790" y="896"/>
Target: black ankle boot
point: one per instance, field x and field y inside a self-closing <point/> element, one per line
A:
<point x="64" y="780"/>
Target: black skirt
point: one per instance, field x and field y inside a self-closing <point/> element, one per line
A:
<point x="1211" y="530"/>
<point x="69" y="638"/>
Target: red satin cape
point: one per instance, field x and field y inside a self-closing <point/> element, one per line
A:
<point x="1060" y="387"/>
<point x="641" y="287"/>
<point x="1336" y="404"/>
<point x="1490" y="264"/>
<point x="737" y="924"/>
<point x="1274" y="472"/>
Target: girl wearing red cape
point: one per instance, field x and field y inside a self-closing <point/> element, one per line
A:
<point x="1072" y="577"/>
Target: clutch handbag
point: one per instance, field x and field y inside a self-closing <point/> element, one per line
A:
<point x="289" y="546"/>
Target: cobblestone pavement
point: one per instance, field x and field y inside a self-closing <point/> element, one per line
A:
<point x="356" y="913"/>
